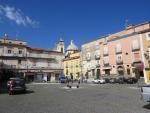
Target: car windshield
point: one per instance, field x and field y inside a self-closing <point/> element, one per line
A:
<point x="62" y="77"/>
<point x="18" y="81"/>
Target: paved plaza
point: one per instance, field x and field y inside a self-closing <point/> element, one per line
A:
<point x="88" y="98"/>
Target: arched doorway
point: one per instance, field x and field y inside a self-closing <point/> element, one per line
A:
<point x="120" y="70"/>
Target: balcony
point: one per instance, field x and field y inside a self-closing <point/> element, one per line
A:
<point x="88" y="58"/>
<point x="42" y="56"/>
<point x="135" y="48"/>
<point x="13" y="55"/>
<point x="105" y="54"/>
<point x="97" y="65"/>
<point x="106" y="65"/>
<point x="118" y="51"/>
<point x="97" y="57"/>
<point x="119" y="62"/>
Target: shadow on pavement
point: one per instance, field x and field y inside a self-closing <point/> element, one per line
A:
<point x="24" y="93"/>
<point x="147" y="106"/>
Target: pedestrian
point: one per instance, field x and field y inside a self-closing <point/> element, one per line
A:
<point x="71" y="78"/>
<point x="79" y="79"/>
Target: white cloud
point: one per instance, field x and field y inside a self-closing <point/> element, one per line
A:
<point x="17" y="16"/>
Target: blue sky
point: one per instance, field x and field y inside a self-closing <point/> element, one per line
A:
<point x="42" y="22"/>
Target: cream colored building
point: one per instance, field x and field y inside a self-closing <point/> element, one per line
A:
<point x="90" y="59"/>
<point x="34" y="64"/>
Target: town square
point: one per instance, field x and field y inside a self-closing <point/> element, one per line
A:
<point x="73" y="56"/>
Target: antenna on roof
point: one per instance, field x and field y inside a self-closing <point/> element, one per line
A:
<point x="126" y="23"/>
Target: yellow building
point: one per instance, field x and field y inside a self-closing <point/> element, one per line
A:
<point x="145" y="36"/>
<point x="72" y="61"/>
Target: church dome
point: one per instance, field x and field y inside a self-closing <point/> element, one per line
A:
<point x="72" y="47"/>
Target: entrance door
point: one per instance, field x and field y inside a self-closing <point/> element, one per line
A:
<point x="93" y="72"/>
<point x="107" y="72"/>
<point x="141" y="74"/>
<point x="128" y="71"/>
<point x="120" y="72"/>
<point x="98" y="74"/>
<point x="49" y="77"/>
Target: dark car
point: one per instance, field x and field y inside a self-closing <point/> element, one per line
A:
<point x="62" y="79"/>
<point x="131" y="80"/>
<point x="16" y="85"/>
<point x="112" y="80"/>
<point x="120" y="80"/>
<point x="107" y="80"/>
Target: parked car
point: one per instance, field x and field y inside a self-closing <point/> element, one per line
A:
<point x="95" y="81"/>
<point x="120" y="80"/>
<point x="112" y="80"/>
<point x="102" y="81"/>
<point x="131" y="80"/>
<point x="62" y="79"/>
<point x="16" y="85"/>
<point x="107" y="80"/>
<point x="145" y="93"/>
<point x="99" y="81"/>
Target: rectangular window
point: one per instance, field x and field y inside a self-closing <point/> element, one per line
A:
<point x="106" y="60"/>
<point x="105" y="50"/>
<point x="20" y="52"/>
<point x="19" y="61"/>
<point x="9" y="51"/>
<point x="135" y="45"/>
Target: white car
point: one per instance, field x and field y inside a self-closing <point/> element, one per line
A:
<point x="102" y="81"/>
<point x="95" y="81"/>
<point x="98" y="81"/>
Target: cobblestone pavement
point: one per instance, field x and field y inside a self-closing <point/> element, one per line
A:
<point x="88" y="98"/>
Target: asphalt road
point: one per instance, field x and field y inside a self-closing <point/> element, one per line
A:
<point x="88" y="98"/>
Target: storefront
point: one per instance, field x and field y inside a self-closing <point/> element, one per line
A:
<point x="107" y="70"/>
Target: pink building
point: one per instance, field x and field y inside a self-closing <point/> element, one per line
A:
<point x="120" y="54"/>
<point x="124" y="53"/>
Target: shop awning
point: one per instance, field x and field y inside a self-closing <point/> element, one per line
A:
<point x="140" y="67"/>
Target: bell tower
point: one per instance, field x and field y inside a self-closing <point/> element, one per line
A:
<point x="60" y="46"/>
